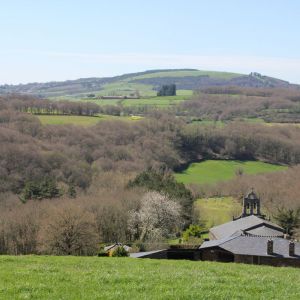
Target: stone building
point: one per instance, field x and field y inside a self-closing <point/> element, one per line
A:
<point x="253" y="250"/>
<point x="250" y="222"/>
<point x="251" y="239"/>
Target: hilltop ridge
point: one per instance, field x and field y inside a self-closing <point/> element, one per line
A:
<point x="146" y="83"/>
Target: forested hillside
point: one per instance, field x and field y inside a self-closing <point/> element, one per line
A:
<point x="80" y="175"/>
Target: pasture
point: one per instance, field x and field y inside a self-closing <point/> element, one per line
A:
<point x="50" y="277"/>
<point x="81" y="120"/>
<point x="149" y="99"/>
<point x="216" y="211"/>
<point x="124" y="87"/>
<point x="156" y="101"/>
<point x="213" y="171"/>
<point x="187" y="73"/>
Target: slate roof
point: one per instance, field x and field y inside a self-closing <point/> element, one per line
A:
<point x="243" y="224"/>
<point x="142" y="254"/>
<point x="253" y="245"/>
<point x="265" y="231"/>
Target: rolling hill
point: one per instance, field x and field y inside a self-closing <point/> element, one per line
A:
<point x="144" y="83"/>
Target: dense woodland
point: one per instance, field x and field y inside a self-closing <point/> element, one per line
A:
<point x="100" y="180"/>
<point x="221" y="104"/>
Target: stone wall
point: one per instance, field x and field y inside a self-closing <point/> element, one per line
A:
<point x="268" y="260"/>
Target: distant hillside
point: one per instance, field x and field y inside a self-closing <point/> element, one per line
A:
<point x="145" y="83"/>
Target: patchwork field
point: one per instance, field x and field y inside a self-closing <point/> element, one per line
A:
<point x="213" y="171"/>
<point x="46" y="277"/>
<point x="149" y="99"/>
<point x="156" y="101"/>
<point x="216" y="211"/>
<point x="80" y="120"/>
<point x="125" y="87"/>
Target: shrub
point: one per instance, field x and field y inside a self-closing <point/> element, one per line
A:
<point x="120" y="252"/>
<point x="193" y="231"/>
<point x="102" y="253"/>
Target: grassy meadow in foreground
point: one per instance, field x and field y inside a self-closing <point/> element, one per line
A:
<point x="213" y="171"/>
<point x="46" y="277"/>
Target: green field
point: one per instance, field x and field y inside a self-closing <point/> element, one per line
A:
<point x="42" y="277"/>
<point x="101" y="102"/>
<point x="156" y="101"/>
<point x="150" y="99"/>
<point x="213" y="171"/>
<point x="216" y="211"/>
<point x="80" y="120"/>
<point x="124" y="87"/>
<point x="212" y="74"/>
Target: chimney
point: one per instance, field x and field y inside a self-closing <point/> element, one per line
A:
<point x="291" y="248"/>
<point x="270" y="247"/>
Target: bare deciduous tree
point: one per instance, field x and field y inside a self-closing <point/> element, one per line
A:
<point x="71" y="231"/>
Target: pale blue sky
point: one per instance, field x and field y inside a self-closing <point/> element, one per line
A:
<point x="68" y="39"/>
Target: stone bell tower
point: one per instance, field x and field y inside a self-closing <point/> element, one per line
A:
<point x="251" y="206"/>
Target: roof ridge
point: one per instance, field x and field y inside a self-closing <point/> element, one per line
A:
<point x="229" y="239"/>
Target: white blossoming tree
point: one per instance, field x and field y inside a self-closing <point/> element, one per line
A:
<point x="157" y="217"/>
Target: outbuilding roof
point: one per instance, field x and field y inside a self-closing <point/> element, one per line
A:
<point x="264" y="231"/>
<point x="246" y="224"/>
<point x="253" y="245"/>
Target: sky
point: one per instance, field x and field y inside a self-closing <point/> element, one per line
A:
<point x="53" y="40"/>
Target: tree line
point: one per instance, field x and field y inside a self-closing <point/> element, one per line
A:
<point x="229" y="103"/>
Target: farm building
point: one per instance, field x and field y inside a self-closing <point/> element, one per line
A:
<point x="251" y="222"/>
<point x="251" y="239"/>
<point x="252" y="250"/>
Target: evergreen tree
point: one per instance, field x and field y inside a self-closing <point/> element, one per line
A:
<point x="40" y="189"/>
<point x="288" y="219"/>
<point x="167" y="90"/>
<point x="72" y="191"/>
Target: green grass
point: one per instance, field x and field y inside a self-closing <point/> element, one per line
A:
<point x="102" y="102"/>
<point x="80" y="120"/>
<point x="42" y="277"/>
<point x="213" y="171"/>
<point x="184" y="93"/>
<point x="216" y="211"/>
<point x="212" y="74"/>
<point x="156" y="101"/>
<point x="123" y="88"/>
<point x="148" y="98"/>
